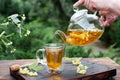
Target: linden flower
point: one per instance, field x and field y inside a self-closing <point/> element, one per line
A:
<point x="24" y="71"/>
<point x="23" y="17"/>
<point x="10" y="43"/>
<point x="33" y="74"/>
<point x="18" y="25"/>
<point x="76" y="62"/>
<point x="27" y="33"/>
<point x="13" y="50"/>
<point x="82" y="69"/>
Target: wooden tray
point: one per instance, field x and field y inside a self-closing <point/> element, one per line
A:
<point x="95" y="72"/>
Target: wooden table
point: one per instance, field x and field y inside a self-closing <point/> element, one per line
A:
<point x="5" y="64"/>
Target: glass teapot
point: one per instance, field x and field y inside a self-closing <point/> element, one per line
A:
<point x="83" y="29"/>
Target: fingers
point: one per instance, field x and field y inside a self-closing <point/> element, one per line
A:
<point x="103" y="12"/>
<point x="80" y="2"/>
<point x="107" y="19"/>
<point x="103" y="22"/>
<point x="90" y="5"/>
<point x="87" y="3"/>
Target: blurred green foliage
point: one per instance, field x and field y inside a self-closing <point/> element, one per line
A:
<point x="111" y="35"/>
<point x="11" y="26"/>
<point x="112" y="53"/>
<point x="77" y="51"/>
<point x="43" y="18"/>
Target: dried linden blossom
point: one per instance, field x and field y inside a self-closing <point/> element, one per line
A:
<point x="33" y="74"/>
<point x="76" y="61"/>
<point x="81" y="69"/>
<point x="25" y="71"/>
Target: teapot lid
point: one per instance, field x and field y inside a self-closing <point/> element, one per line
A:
<point x="78" y="14"/>
<point x="82" y="18"/>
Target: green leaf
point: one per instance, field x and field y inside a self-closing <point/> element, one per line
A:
<point x="37" y="68"/>
<point x="34" y="66"/>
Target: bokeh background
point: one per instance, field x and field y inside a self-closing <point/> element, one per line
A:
<point x="43" y="18"/>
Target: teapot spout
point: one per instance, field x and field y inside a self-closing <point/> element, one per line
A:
<point x="61" y="34"/>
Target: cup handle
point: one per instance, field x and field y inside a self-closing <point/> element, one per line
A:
<point x="41" y="61"/>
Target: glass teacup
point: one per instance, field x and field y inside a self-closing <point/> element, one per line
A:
<point x="52" y="57"/>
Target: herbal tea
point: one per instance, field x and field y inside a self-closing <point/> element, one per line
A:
<point x="81" y="37"/>
<point x="54" y="58"/>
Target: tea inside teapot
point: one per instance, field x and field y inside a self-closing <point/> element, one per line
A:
<point x="80" y="37"/>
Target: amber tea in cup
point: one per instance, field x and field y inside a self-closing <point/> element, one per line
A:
<point x="53" y="54"/>
<point x="54" y="57"/>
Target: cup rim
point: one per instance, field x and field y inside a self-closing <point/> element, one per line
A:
<point x="54" y="45"/>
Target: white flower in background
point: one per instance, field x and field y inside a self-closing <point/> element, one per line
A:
<point x="23" y="17"/>
<point x="10" y="43"/>
<point x="27" y="33"/>
<point x="17" y="20"/>
<point x="13" y="50"/>
<point x="18" y="25"/>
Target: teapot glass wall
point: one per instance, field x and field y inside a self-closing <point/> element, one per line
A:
<point x="83" y="29"/>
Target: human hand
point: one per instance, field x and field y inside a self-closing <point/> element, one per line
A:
<point x="94" y="5"/>
<point x="107" y="18"/>
<point x="107" y="15"/>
